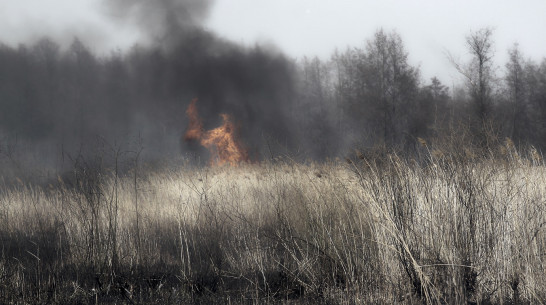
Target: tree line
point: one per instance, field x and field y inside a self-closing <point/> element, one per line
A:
<point x="377" y="96"/>
<point x="360" y="97"/>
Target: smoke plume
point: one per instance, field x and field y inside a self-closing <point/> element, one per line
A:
<point x="56" y="102"/>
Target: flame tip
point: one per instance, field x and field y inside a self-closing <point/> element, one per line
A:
<point x="221" y="141"/>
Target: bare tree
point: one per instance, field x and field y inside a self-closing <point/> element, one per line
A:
<point x="515" y="85"/>
<point x="377" y="89"/>
<point x="315" y="108"/>
<point x="392" y="83"/>
<point x="535" y="85"/>
<point x="479" y="75"/>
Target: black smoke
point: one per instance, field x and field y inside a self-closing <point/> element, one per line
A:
<point x="58" y="104"/>
<point x="255" y="85"/>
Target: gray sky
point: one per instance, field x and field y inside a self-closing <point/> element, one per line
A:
<point x="308" y="27"/>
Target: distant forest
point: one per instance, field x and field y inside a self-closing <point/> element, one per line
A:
<point x="55" y="99"/>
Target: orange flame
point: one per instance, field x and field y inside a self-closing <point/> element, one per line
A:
<point x="222" y="141"/>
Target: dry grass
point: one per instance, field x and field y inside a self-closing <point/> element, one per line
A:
<point x="447" y="228"/>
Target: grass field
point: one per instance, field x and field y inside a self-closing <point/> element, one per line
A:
<point x="444" y="228"/>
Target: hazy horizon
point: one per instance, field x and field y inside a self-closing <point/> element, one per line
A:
<point x="238" y="58"/>
<point x="301" y="28"/>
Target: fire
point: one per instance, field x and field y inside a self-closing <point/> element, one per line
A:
<point x="195" y="127"/>
<point x="222" y="142"/>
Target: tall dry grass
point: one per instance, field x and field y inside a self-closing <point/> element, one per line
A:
<point x="444" y="227"/>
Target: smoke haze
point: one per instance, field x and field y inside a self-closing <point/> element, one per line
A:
<point x="70" y="103"/>
<point x="164" y="21"/>
<point x="63" y="106"/>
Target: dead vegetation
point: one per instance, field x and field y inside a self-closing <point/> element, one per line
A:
<point x="445" y="227"/>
